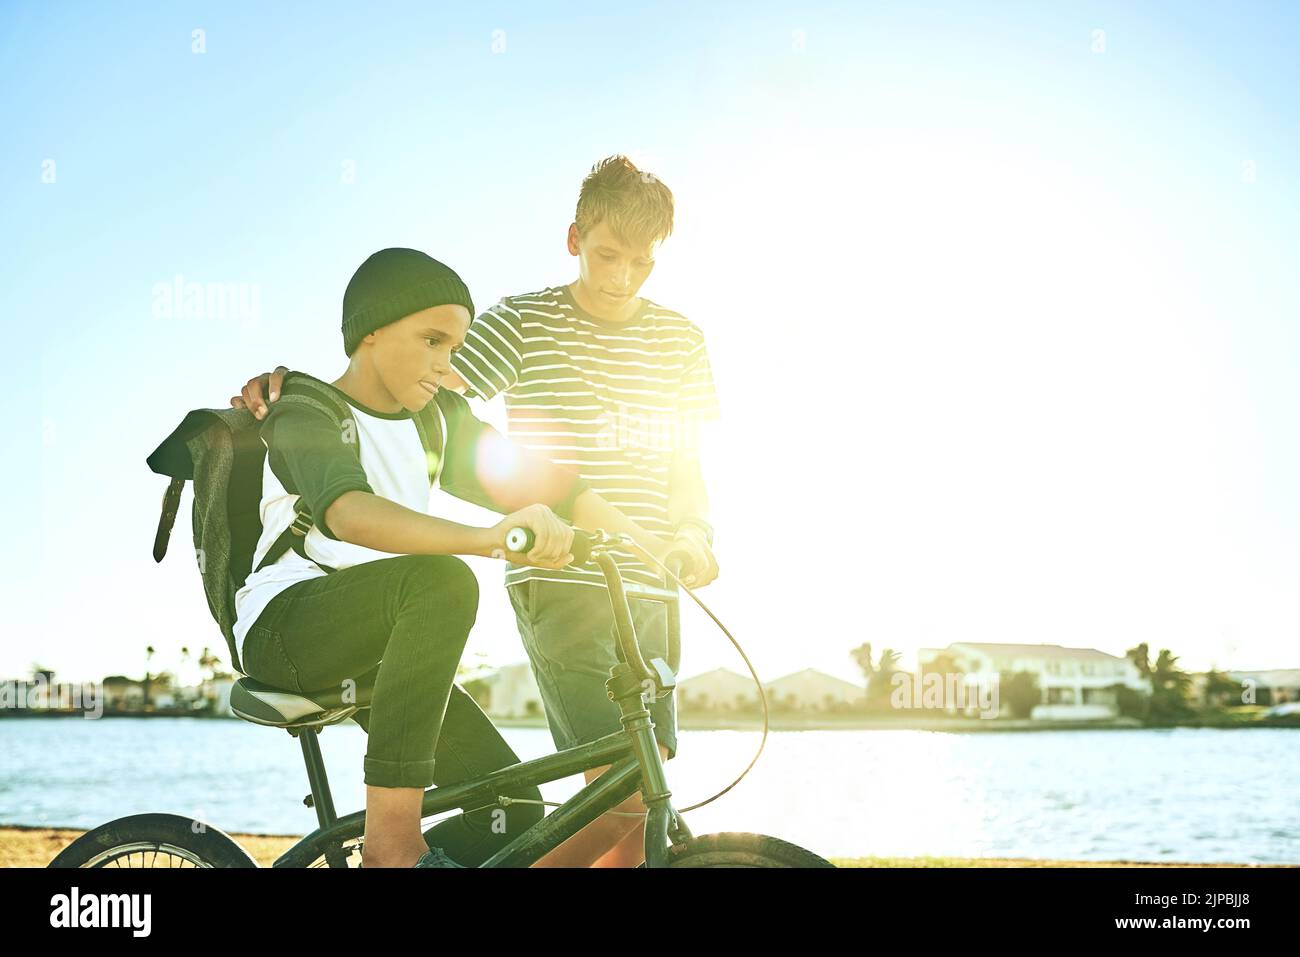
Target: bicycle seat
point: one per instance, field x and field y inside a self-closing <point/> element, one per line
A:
<point x="274" y="707"/>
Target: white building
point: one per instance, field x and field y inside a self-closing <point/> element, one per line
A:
<point x="1273" y="687"/>
<point x="1075" y="683"/>
<point x="717" y="691"/>
<point x="813" y="690"/>
<point x="216" y="690"/>
<point x="128" y="694"/>
<point x="512" y="692"/>
<point x="123" y="694"/>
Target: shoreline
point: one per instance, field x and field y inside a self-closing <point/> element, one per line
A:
<point x="795" y="723"/>
<point x="25" y="845"/>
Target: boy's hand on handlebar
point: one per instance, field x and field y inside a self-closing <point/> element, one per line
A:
<point x="703" y="565"/>
<point x="258" y="392"/>
<point x="553" y="545"/>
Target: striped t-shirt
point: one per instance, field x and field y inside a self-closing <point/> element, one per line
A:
<point x="612" y="400"/>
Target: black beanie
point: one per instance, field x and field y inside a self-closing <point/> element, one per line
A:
<point x="392" y="284"/>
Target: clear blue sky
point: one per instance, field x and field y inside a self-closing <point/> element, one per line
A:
<point x="1012" y="300"/>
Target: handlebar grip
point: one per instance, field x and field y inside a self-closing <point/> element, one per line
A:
<point x="521" y="539"/>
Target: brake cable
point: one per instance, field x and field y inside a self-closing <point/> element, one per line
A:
<point x="504" y="801"/>
<point x="762" y="696"/>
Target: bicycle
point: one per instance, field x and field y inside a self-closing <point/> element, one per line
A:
<point x="632" y="754"/>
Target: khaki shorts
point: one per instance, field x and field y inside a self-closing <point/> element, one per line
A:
<point x="568" y="632"/>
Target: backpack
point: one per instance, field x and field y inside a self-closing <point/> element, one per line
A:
<point x="222" y="452"/>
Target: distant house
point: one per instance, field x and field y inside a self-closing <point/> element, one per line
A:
<point x="216" y="691"/>
<point x="717" y="692"/>
<point x="814" y="691"/>
<point x="1075" y="683"/>
<point x="510" y="692"/>
<point x="162" y="691"/>
<point x="1278" y="686"/>
<point x="123" y="694"/>
<point x="128" y="694"/>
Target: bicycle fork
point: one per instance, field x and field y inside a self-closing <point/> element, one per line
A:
<point x="662" y="822"/>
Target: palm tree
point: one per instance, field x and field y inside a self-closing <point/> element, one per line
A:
<point x="209" y="662"/>
<point x="148" y="653"/>
<point x="183" y="676"/>
<point x="878" y="675"/>
<point x="862" y="656"/>
<point x="878" y="687"/>
<point x="1167" y="671"/>
<point x="1141" y="658"/>
<point x="1219" y="688"/>
<point x="1169" y="683"/>
<point x="1173" y="684"/>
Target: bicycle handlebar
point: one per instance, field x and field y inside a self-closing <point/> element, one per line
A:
<point x="588" y="547"/>
<point x="521" y="539"/>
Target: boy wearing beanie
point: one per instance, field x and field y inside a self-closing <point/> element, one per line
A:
<point x="599" y="380"/>
<point x="375" y="586"/>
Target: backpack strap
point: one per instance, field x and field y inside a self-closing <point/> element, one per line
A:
<point x="299" y="386"/>
<point x="170" y="506"/>
<point x="300" y="383"/>
<point x="431" y="425"/>
<point x="295" y="537"/>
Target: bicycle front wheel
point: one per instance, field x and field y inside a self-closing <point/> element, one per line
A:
<point x="734" y="849"/>
<point x="154" y="840"/>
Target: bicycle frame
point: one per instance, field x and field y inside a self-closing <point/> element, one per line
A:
<point x="633" y="756"/>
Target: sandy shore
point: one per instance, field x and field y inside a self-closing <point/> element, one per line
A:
<point x="35" y="846"/>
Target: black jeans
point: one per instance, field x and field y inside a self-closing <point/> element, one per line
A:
<point x="410" y="615"/>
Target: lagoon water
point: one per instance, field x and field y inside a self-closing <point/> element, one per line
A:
<point x="1197" y="795"/>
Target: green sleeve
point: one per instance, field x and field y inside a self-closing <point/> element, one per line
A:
<point x="310" y="455"/>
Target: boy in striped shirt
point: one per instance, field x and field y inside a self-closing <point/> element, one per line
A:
<point x="614" y="386"/>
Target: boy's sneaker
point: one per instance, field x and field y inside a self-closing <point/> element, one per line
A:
<point x="434" y="857"/>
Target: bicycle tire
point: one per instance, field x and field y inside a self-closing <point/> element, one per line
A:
<point x="737" y="849"/>
<point x="180" y="841"/>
